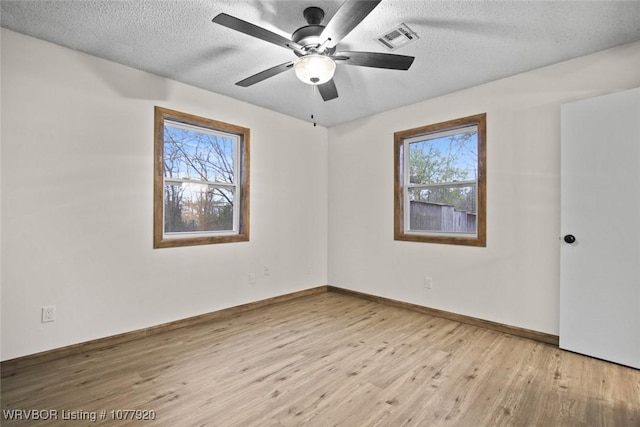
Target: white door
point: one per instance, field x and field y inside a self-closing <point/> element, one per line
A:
<point x="600" y="270"/>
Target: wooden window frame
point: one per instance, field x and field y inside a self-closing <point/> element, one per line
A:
<point x="400" y="232"/>
<point x="242" y="233"/>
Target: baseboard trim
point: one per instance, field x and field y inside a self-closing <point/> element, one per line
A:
<point x="110" y="341"/>
<point x="487" y="324"/>
<point x="113" y="340"/>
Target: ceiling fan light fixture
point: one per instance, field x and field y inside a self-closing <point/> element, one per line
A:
<point x="315" y="69"/>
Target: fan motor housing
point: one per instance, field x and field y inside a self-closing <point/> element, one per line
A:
<point x="309" y="36"/>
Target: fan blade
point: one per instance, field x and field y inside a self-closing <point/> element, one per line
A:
<point x="348" y="16"/>
<point x="263" y="75"/>
<point x="255" y="31"/>
<point x="375" y="59"/>
<point x="328" y="90"/>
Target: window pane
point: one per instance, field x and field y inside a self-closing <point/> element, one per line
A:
<point x="443" y="209"/>
<point x="444" y="157"/>
<point x="204" y="156"/>
<point x="197" y="208"/>
<point x="449" y="158"/>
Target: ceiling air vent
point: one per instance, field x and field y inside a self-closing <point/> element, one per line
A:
<point x="397" y="37"/>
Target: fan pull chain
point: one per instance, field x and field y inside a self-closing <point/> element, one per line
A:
<point x="313" y="103"/>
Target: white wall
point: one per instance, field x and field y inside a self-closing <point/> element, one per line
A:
<point x="77" y="205"/>
<point x="515" y="279"/>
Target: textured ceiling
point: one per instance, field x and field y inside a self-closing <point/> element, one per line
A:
<point x="461" y="44"/>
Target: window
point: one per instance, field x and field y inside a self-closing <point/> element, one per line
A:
<point x="440" y="182"/>
<point x="201" y="181"/>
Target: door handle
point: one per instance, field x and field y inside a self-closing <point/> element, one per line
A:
<point x="569" y="238"/>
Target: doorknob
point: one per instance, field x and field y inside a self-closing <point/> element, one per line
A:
<point x="569" y="238"/>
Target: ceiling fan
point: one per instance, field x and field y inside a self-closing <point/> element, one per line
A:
<point x="316" y="46"/>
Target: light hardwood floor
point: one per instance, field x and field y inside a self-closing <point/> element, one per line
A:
<point x="330" y="359"/>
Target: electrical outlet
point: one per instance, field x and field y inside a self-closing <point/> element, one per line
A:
<point x="266" y="270"/>
<point x="48" y="313"/>
<point x="252" y="279"/>
<point x="428" y="283"/>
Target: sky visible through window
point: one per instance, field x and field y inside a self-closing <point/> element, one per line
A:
<point x="198" y="155"/>
<point x="443" y="159"/>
